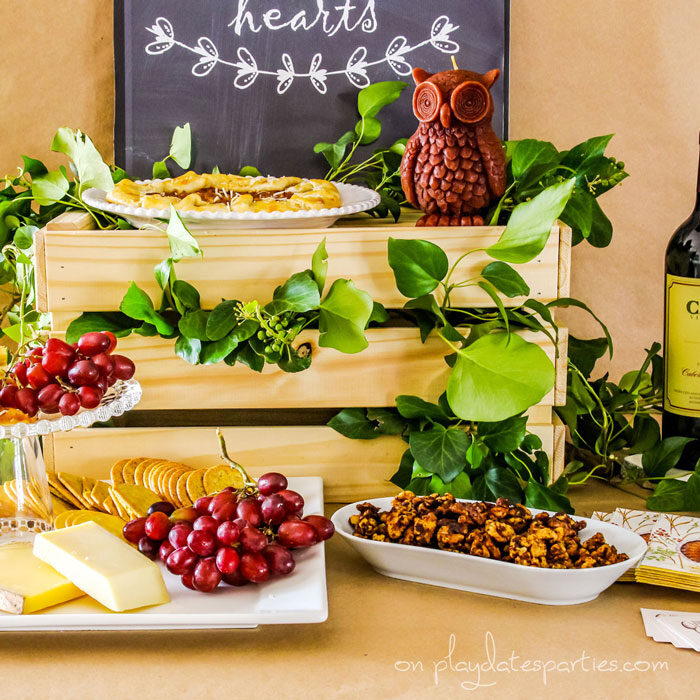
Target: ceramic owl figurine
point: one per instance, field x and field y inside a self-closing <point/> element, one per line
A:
<point x="454" y="165"/>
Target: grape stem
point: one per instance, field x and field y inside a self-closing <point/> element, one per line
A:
<point x="248" y="482"/>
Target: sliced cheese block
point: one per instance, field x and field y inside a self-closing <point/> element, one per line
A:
<point x="103" y="566"/>
<point x="28" y="584"/>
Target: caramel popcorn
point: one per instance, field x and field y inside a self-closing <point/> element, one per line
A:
<point x="500" y="530"/>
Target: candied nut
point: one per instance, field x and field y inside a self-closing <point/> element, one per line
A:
<point x="499" y="531"/>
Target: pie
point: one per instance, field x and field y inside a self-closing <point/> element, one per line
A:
<point x="221" y="193"/>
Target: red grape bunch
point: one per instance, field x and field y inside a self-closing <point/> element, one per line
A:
<point x="60" y="378"/>
<point x="238" y="537"/>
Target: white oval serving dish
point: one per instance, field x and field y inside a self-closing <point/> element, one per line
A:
<point x="355" y="200"/>
<point x="491" y="576"/>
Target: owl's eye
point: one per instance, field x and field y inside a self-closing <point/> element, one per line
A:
<point x="470" y="102"/>
<point x="427" y="100"/>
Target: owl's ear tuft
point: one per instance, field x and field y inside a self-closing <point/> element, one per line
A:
<point x="491" y="77"/>
<point x="420" y="75"/>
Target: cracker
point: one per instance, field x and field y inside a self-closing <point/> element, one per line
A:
<point x="195" y="485"/>
<point x="60" y="519"/>
<point x="172" y="485"/>
<point x="129" y="468"/>
<point x="58" y="489"/>
<point x="111" y="523"/>
<point x="75" y="485"/>
<point x="116" y="471"/>
<point x="181" y="488"/>
<point x="59" y="505"/>
<point x="137" y="499"/>
<point x="100" y="493"/>
<point x="217" y="478"/>
<point x="88" y="485"/>
<point x="139" y="470"/>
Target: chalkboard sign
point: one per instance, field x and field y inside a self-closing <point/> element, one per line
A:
<point x="261" y="81"/>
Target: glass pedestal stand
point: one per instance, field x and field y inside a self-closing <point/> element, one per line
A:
<point x="25" y="500"/>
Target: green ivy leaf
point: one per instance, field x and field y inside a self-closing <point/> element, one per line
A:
<point x="353" y="423"/>
<point x="319" y="265"/>
<point x="498" y="376"/>
<point x="160" y="170"/>
<point x="669" y="496"/>
<point x="413" y="407"/>
<point x="591" y="148"/>
<point x="344" y="314"/>
<point x="530" y="223"/>
<point x="691" y="495"/>
<point x="377" y="95"/>
<point x="34" y="167"/>
<point x="539" y="496"/>
<point x="440" y="451"/>
<point x="188" y="349"/>
<point x="387" y="421"/>
<point x="181" y="146"/>
<point x="505" y="279"/>
<point x="403" y="474"/>
<point x="118" y="323"/>
<point x="504" y="484"/>
<point x="664" y="455"/>
<point x="299" y="294"/>
<point x="216" y="351"/>
<point x="50" y="188"/>
<point x="527" y="152"/>
<point x="194" y="325"/>
<point x="247" y="356"/>
<point x="91" y="169"/>
<point x="137" y="304"/>
<point x="162" y="272"/>
<point x="419" y="266"/>
<point x="335" y="152"/>
<point x="182" y="242"/>
<point x="504" y="436"/>
<point x="379" y="314"/>
<point x="459" y="487"/>
<point x="566" y="302"/>
<point x="371" y="131"/>
<point x="292" y="361"/>
<point x="24" y="236"/>
<point x="585" y="353"/>
<point x="186" y="294"/>
<point x="222" y="320"/>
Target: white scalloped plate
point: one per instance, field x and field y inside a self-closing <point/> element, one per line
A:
<point x="355" y="200"/>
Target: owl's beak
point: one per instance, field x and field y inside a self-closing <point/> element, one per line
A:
<point x="445" y="115"/>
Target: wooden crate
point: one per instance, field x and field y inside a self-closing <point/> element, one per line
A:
<point x="80" y="269"/>
<point x="351" y="469"/>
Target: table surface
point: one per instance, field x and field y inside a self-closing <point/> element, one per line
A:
<point x="384" y="638"/>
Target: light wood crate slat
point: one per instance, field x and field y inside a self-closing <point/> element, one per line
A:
<point x="396" y="362"/>
<point x="351" y="469"/>
<point x="90" y="270"/>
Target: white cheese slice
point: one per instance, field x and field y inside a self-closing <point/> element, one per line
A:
<point x="103" y="566"/>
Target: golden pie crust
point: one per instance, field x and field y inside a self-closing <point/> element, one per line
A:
<point x="223" y="193"/>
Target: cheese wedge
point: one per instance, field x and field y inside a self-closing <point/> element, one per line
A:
<point x="28" y="584"/>
<point x="103" y="566"/>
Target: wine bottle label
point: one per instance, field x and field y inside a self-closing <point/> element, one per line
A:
<point x="682" y="351"/>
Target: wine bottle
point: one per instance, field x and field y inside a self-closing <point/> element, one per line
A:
<point x="681" y="414"/>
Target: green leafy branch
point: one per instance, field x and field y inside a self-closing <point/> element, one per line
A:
<point x="534" y="166"/>
<point x="481" y="460"/>
<point x="241" y="331"/>
<point x="609" y="422"/>
<point x="381" y="170"/>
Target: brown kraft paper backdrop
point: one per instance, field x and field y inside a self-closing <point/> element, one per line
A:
<point x="578" y="69"/>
